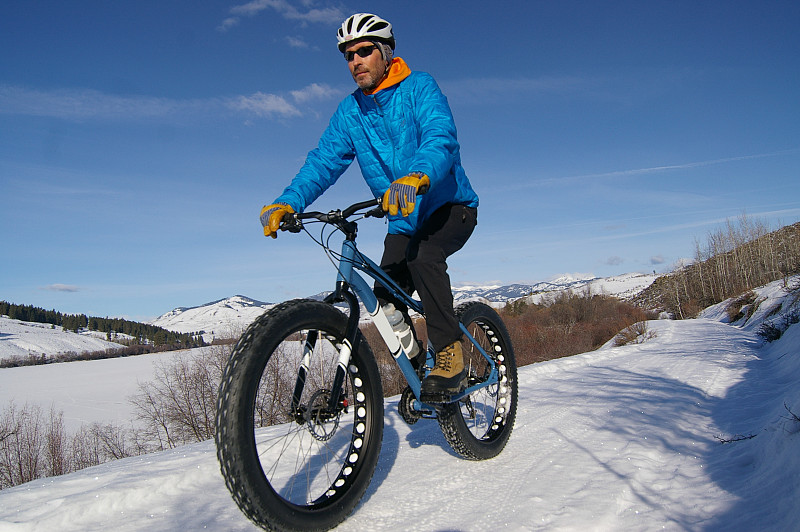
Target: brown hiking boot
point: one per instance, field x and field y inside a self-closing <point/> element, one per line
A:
<point x="447" y="377"/>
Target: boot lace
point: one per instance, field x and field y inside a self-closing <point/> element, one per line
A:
<point x="444" y="359"/>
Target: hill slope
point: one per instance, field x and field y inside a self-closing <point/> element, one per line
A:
<point x="617" y="439"/>
<point x="23" y="338"/>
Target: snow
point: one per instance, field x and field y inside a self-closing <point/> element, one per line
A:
<point x="622" y="286"/>
<point x="622" y="438"/>
<point x="226" y="318"/>
<point x="21" y="338"/>
<point x="86" y="391"/>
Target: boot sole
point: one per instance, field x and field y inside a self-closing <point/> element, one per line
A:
<point x="443" y="395"/>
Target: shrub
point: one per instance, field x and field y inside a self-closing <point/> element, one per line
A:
<point x="36" y="445"/>
<point x="179" y="406"/>
<point x="638" y="333"/>
<point x="567" y="324"/>
<point x="736" y="309"/>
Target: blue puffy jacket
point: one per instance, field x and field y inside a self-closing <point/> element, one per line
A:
<point x="407" y="127"/>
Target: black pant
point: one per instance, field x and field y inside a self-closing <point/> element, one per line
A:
<point x="418" y="262"/>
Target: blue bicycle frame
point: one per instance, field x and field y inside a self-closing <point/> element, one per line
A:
<point x="349" y="281"/>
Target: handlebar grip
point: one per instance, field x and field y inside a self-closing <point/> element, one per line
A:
<point x="291" y="223"/>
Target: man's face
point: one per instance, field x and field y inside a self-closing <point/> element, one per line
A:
<point x="366" y="71"/>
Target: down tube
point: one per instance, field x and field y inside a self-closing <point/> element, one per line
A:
<point x="367" y="297"/>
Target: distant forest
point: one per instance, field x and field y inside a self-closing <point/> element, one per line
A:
<point x="142" y="333"/>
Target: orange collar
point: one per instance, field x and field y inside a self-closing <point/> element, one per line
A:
<point x="398" y="71"/>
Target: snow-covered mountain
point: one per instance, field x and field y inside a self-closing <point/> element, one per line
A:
<point x="227" y="318"/>
<point x="622" y="286"/>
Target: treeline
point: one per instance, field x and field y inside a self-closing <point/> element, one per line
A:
<point x="735" y="259"/>
<point x="140" y="332"/>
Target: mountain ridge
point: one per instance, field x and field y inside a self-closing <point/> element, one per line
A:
<point x="228" y="317"/>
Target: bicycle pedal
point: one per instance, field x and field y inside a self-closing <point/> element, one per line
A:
<point x="436" y="398"/>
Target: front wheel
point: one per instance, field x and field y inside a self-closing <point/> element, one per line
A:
<point x="293" y="456"/>
<point x="478" y="426"/>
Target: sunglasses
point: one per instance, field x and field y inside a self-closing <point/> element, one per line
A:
<point x="364" y="51"/>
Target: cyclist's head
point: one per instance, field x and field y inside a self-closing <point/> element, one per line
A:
<point x="367" y="27"/>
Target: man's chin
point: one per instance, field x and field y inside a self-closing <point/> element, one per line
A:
<point x="366" y="86"/>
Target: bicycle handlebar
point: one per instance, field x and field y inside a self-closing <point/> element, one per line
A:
<point x="293" y="222"/>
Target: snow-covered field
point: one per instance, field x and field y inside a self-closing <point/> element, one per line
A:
<point x="86" y="391"/>
<point x="622" y="438"/>
<point x="22" y="338"/>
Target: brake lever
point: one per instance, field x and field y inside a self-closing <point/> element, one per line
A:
<point x="377" y="212"/>
<point x="291" y="223"/>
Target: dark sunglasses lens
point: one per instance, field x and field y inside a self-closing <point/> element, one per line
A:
<point x="365" y="51"/>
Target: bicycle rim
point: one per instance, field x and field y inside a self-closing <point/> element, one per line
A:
<point x="479" y="425"/>
<point x="305" y="459"/>
<point x="486" y="410"/>
<point x="298" y="464"/>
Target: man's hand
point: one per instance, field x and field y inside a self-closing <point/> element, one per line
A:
<point x="272" y="216"/>
<point x="402" y="194"/>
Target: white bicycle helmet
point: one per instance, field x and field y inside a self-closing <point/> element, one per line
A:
<point x="365" y="26"/>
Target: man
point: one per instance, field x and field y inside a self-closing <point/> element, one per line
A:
<point x="400" y="128"/>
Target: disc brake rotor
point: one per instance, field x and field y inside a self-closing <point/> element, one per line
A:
<point x="321" y="423"/>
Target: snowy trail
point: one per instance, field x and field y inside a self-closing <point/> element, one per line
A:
<point x="620" y="438"/>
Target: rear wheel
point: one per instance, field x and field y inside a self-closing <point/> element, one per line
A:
<point x="478" y="426"/>
<point x="293" y="458"/>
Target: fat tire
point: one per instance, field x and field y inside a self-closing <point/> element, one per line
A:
<point x="236" y="432"/>
<point x="478" y="426"/>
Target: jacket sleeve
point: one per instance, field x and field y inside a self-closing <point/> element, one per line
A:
<point x="324" y="164"/>
<point x="438" y="147"/>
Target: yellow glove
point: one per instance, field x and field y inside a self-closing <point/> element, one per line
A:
<point x="272" y="216"/>
<point x="402" y="193"/>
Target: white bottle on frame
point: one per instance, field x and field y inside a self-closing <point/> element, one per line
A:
<point x="402" y="330"/>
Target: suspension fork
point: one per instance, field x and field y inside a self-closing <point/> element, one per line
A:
<point x="349" y="344"/>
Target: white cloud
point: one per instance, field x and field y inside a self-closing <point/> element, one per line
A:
<point x="57" y="287"/>
<point x="646" y="171"/>
<point x="89" y="104"/>
<point x="79" y="104"/>
<point x="315" y="91"/>
<point x="265" y="105"/>
<point x="326" y="15"/>
<point x="295" y="42"/>
<point x="227" y="24"/>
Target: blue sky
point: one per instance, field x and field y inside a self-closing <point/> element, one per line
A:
<point x="139" y="140"/>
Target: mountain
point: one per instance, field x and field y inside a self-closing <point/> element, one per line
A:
<point x="227" y="318"/>
<point x="623" y="286"/>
